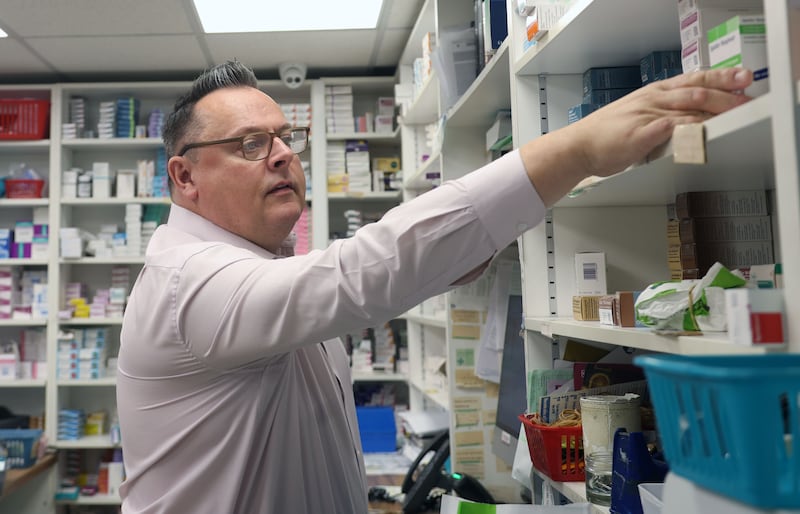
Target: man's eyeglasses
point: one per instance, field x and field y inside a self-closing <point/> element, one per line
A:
<point x="258" y="145"/>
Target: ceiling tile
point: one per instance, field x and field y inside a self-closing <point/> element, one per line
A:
<point x="120" y="54"/>
<point x="314" y="49"/>
<point x="96" y="17"/>
<point x="16" y="59"/>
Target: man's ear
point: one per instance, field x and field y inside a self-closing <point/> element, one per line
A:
<point x="180" y="172"/>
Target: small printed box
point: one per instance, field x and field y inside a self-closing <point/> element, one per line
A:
<point x="755" y="316"/>
<point x="655" y="62"/>
<point x="21" y="250"/>
<point x="23" y="232"/>
<point x="741" y="42"/>
<point x="620" y="77"/>
<point x="590" y="273"/>
<point x="577" y="112"/>
<point x="586" y="307"/>
<point x="607" y="310"/>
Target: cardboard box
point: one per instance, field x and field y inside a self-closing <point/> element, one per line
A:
<point x="586" y="308"/>
<point x="607" y="310"/>
<point x="625" y="310"/>
<point x="741" y="42"/>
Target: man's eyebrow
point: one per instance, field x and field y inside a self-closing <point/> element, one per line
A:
<point x="252" y="129"/>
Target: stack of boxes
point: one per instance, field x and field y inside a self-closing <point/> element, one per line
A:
<point x="732" y="227"/>
<point x="697" y="17"/>
<point x="602" y="86"/>
<point x="22" y="295"/>
<point x="384" y="120"/>
<point x="339" y="109"/>
<point x="28" y="239"/>
<point x="422" y="66"/>
<point x="336" y="167"/>
<point x="70" y="424"/>
<point x="82" y="354"/>
<point x="356" y="158"/>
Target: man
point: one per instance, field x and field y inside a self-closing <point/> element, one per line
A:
<point x="233" y="394"/>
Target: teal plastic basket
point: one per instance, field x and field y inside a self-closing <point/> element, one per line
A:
<point x="731" y="423"/>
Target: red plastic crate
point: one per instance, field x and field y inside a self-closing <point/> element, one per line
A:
<point x="556" y="451"/>
<point x="24" y="118"/>
<point x="24" y="188"/>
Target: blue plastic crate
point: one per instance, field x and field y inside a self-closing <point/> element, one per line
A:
<point x="377" y="428"/>
<point x="731" y="423"/>
<point x="22" y="446"/>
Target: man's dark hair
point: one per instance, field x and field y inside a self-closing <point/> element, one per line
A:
<point x="229" y="74"/>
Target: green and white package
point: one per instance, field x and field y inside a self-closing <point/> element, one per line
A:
<point x="688" y="305"/>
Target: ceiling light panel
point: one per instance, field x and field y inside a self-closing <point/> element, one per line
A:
<point x="286" y="15"/>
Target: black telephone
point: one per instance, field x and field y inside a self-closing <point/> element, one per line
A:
<point x="418" y="483"/>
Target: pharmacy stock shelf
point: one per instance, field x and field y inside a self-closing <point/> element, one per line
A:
<point x="641" y="337"/>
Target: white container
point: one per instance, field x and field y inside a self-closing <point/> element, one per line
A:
<point x="651" y="495"/>
<point x="603" y="415"/>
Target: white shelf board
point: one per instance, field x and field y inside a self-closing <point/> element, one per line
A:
<point x="28" y="322"/>
<point x="738" y="144"/>
<point x="90" y="321"/>
<point x="573" y="491"/>
<point x="425" y="23"/>
<point x="378" y="376"/>
<point x="23" y="262"/>
<point x="488" y="93"/>
<point x="91" y="441"/>
<point x="9" y="145"/>
<point x="116" y="201"/>
<point x="372" y="137"/>
<point x="425" y="108"/>
<point x="23" y="382"/>
<point x="103" y="260"/>
<point x="89" y="382"/>
<point x="640" y="337"/>
<point x="418" y="179"/>
<point x="23" y="202"/>
<point x="439" y="396"/>
<point x="595" y="33"/>
<point x="439" y="322"/>
<point x="111" y="143"/>
<point x="97" y="499"/>
<point x="387" y="195"/>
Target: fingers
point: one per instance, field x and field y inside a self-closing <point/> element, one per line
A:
<point x="726" y="79"/>
<point x="699" y="99"/>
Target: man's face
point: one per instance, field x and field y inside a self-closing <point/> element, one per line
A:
<point x="258" y="200"/>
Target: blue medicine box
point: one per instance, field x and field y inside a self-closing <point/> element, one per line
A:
<point x="377" y="428"/>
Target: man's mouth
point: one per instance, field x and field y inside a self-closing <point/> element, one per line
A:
<point x="280" y="187"/>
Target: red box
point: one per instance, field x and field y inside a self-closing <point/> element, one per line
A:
<point x="24" y="118"/>
<point x="556" y="451"/>
<point x="24" y="188"/>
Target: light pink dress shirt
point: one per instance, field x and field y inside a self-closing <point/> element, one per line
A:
<point x="227" y="400"/>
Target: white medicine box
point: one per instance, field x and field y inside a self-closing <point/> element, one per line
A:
<point x="590" y="273"/>
<point x="741" y="42"/>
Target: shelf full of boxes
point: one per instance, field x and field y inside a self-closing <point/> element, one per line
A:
<point x="90" y="190"/>
<point x="745" y="154"/>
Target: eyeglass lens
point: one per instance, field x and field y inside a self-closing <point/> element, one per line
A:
<point x="258" y="146"/>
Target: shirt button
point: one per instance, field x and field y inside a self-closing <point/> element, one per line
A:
<point x="522" y="227"/>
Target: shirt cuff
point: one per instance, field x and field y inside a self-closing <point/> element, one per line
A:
<point x="504" y="198"/>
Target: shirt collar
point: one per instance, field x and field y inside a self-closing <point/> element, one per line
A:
<point x="192" y="223"/>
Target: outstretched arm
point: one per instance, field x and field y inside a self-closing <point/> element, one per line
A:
<point x="626" y="131"/>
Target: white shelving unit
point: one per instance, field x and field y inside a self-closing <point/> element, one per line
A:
<point x="328" y="209"/>
<point x="460" y="149"/>
<point x="753" y="146"/>
<point x="50" y="157"/>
